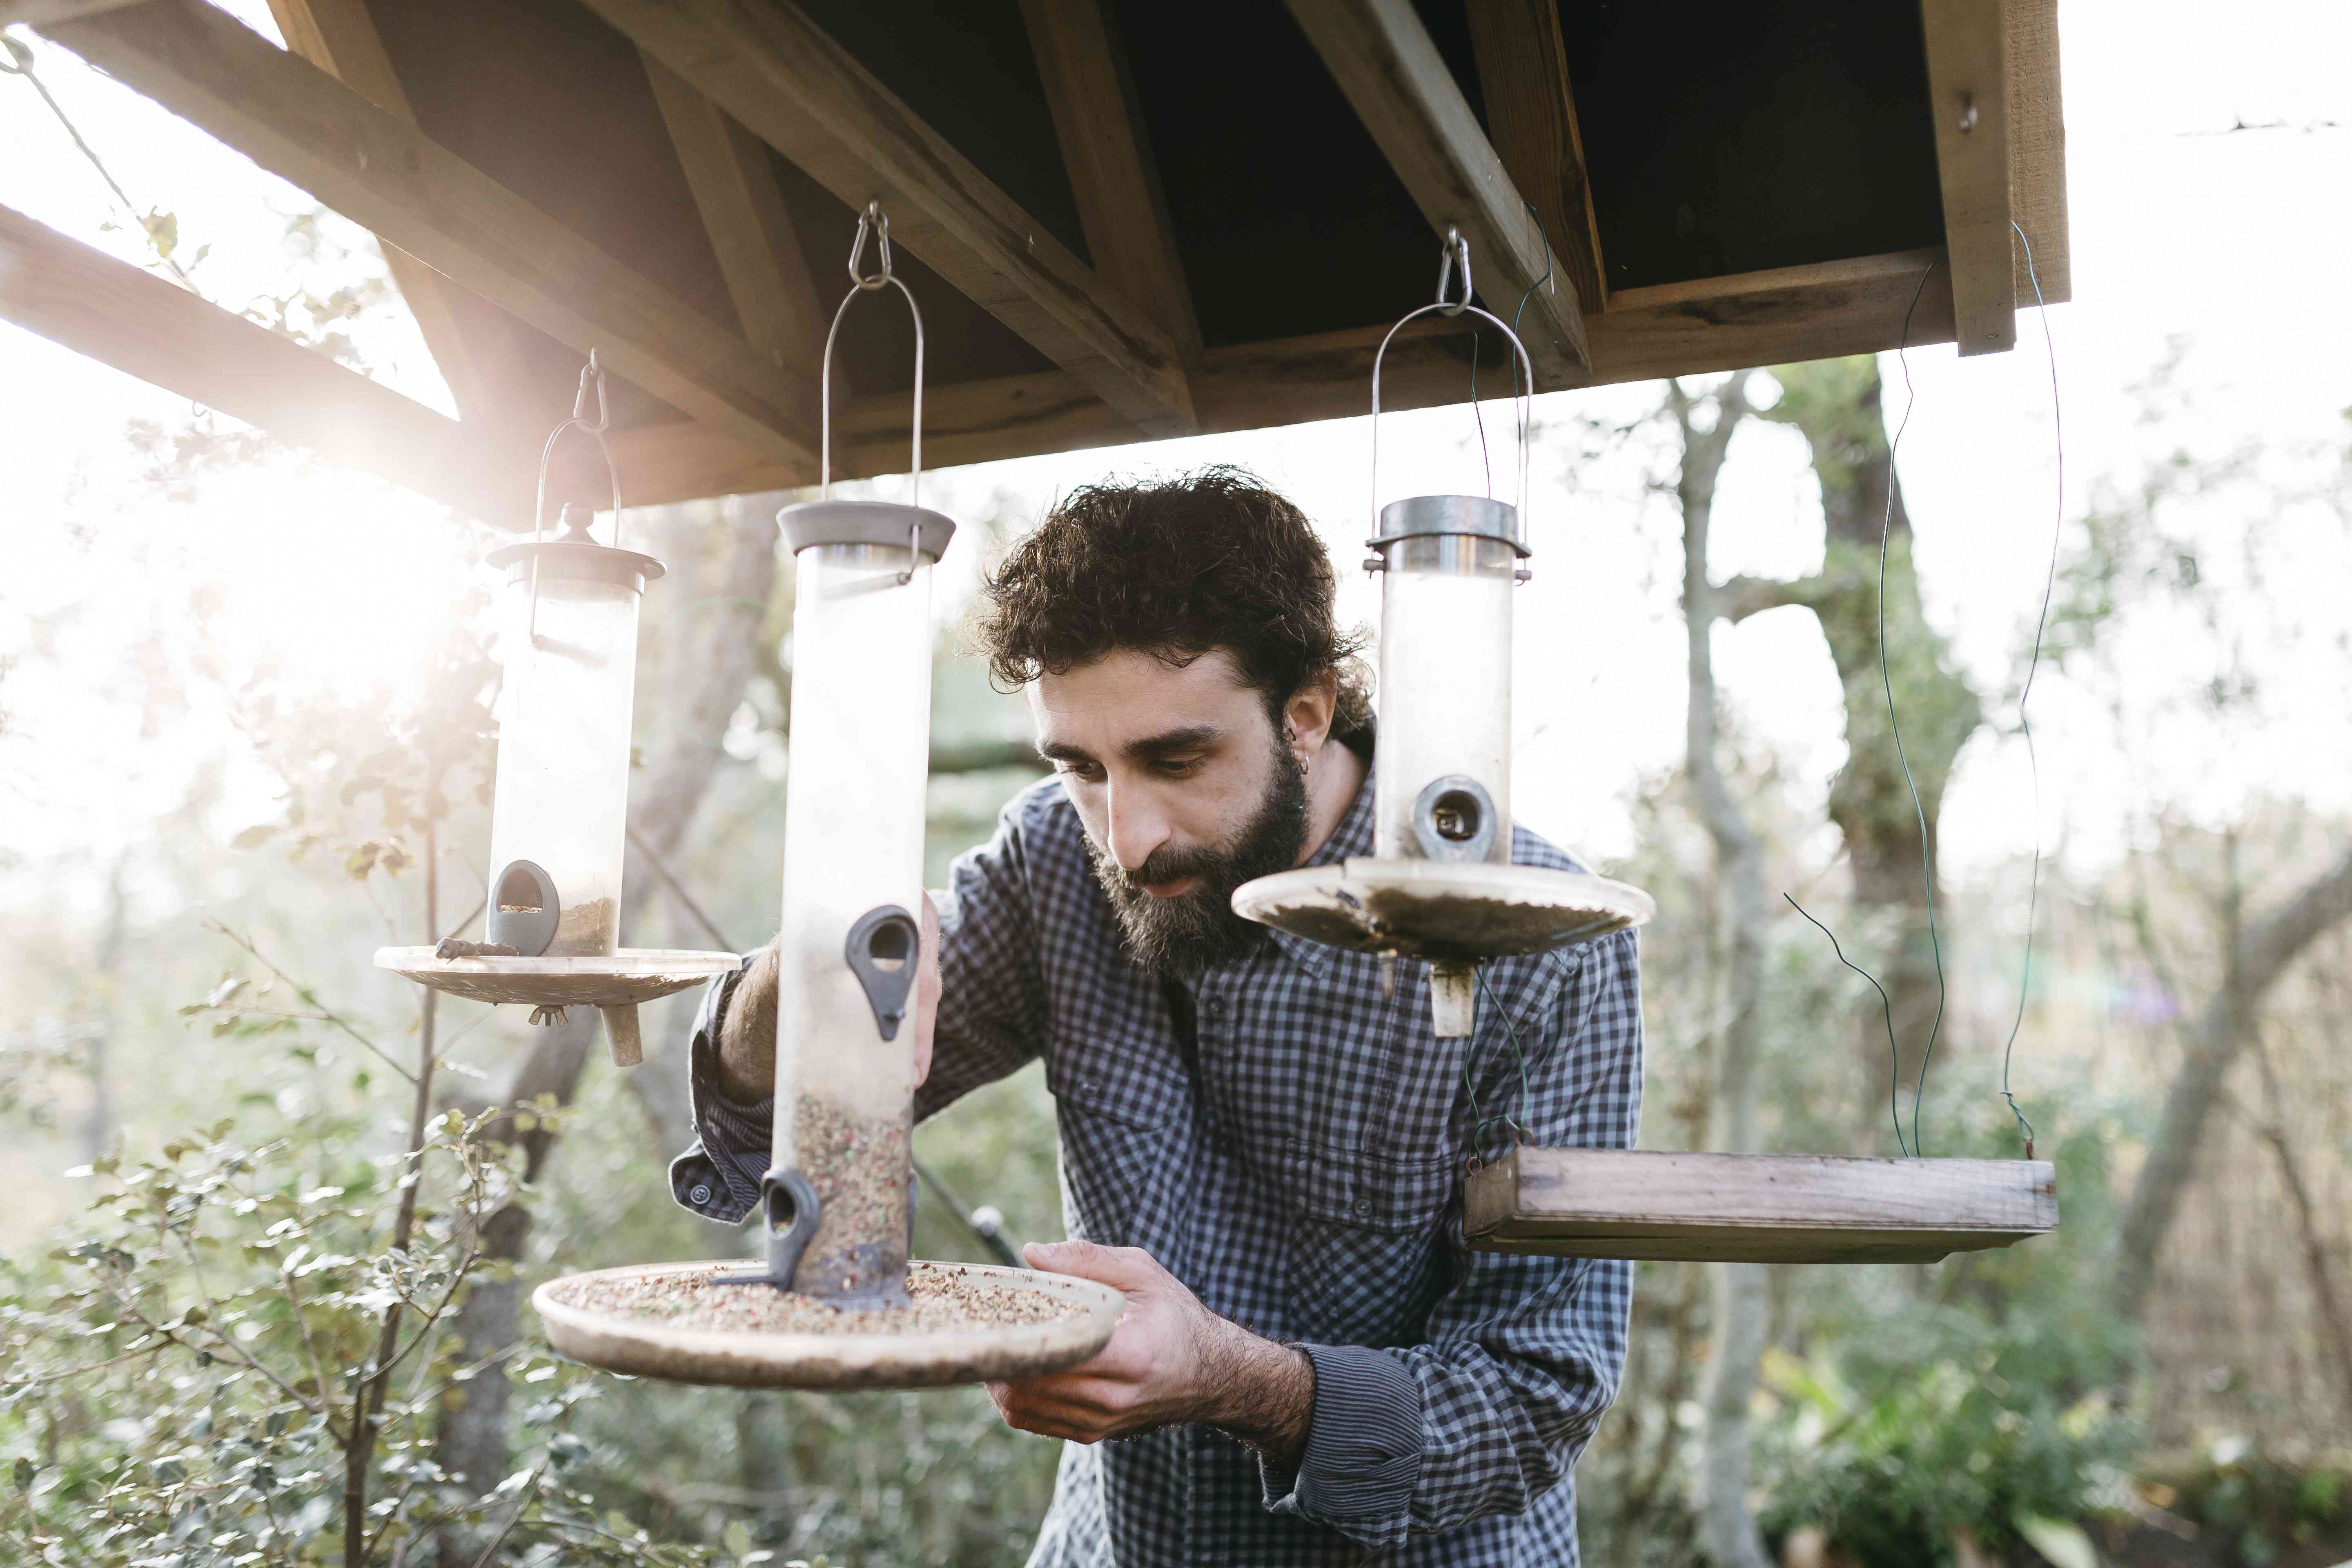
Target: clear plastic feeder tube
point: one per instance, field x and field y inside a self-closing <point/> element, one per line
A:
<point x="1444" y="790"/>
<point x="563" y="795"/>
<point x="854" y="819"/>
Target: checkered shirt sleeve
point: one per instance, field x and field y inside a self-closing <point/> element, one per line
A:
<point x="991" y="1021"/>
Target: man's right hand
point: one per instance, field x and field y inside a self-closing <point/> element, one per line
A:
<point x="747" y="1034"/>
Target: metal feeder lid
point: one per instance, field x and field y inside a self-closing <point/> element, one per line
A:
<point x="575" y="554"/>
<point x="1422" y="517"/>
<point x="864" y="522"/>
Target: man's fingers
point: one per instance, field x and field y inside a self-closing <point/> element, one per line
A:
<point x="1089" y="1397"/>
<point x="1128" y="1268"/>
<point x="1081" y="1420"/>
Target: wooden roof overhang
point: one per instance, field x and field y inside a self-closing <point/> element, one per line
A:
<point x="1125" y="218"/>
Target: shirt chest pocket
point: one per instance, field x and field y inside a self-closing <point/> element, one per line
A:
<point x="1370" y="1245"/>
<point x="1120" y="1100"/>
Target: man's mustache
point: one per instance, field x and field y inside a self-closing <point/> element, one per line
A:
<point x="1164" y="865"/>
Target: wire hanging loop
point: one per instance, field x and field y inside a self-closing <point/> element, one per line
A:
<point x="1456" y="253"/>
<point x="875" y="224"/>
<point x="592" y="375"/>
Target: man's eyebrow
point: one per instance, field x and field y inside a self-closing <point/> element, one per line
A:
<point x="1167" y="744"/>
<point x="1170" y="742"/>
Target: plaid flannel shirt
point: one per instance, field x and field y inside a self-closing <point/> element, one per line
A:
<point x="1296" y="1158"/>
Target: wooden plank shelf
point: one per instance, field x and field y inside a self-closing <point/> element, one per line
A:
<point x="1656" y="1204"/>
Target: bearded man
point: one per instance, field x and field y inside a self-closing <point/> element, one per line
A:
<point x="1261" y="1143"/>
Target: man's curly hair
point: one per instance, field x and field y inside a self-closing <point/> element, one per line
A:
<point x="1176" y="568"/>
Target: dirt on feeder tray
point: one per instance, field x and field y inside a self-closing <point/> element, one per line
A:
<point x="586" y="930"/>
<point x="942" y="1299"/>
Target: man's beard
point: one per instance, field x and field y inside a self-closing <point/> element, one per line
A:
<point x="1196" y="930"/>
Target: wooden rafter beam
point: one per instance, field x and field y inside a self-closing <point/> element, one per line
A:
<point x="1383" y="60"/>
<point x="773" y="68"/>
<point x="1532" y="115"/>
<point x="303" y="125"/>
<point x="1967" y="98"/>
<point x="146" y="326"/>
<point x="472" y="342"/>
<point x="41" y="13"/>
<point x="1816" y="311"/>
<point x="751" y="231"/>
<point x="1109" y="158"/>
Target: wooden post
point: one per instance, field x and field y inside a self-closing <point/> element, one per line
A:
<point x="1967" y="98"/>
<point x="621" y="1034"/>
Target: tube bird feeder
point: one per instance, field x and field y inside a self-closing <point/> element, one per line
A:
<point x="835" y="1301"/>
<point x="1441" y="885"/>
<point x="559" y="817"/>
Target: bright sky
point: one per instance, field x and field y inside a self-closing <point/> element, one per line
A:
<point x="2233" y="245"/>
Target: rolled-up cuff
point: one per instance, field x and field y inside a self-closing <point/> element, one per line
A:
<point x="1363" y="1442"/>
<point x="719" y="1177"/>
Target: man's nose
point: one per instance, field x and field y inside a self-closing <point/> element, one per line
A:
<point x="1137" y="826"/>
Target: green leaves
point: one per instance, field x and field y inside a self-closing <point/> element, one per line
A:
<point x="390" y="856"/>
<point x="2064" y="1542"/>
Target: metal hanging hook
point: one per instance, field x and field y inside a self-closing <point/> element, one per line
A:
<point x="876" y="223"/>
<point x="592" y="374"/>
<point x="1456" y="253"/>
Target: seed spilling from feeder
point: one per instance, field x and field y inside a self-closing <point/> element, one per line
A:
<point x="559" y="818"/>
<point x="1441" y="885"/>
<point x="836" y="1204"/>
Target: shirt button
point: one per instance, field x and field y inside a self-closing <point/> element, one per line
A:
<point x="700" y="1194"/>
<point x="1215" y="1010"/>
<point x="1363" y="1205"/>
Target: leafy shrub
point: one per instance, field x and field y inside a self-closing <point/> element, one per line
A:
<point x="1972" y="1398"/>
<point x="226" y="1363"/>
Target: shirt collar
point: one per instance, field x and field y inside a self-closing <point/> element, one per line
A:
<point x="1352" y="839"/>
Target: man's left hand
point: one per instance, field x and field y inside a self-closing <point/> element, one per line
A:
<point x="1170" y="1360"/>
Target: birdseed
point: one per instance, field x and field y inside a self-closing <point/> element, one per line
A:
<point x="861" y="1167"/>
<point x="941" y="1298"/>
<point x="586" y="930"/>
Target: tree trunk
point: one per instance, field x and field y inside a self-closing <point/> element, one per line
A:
<point x="719" y="583"/>
<point x="1891" y="841"/>
<point x="2258" y="956"/>
<point x="1741" y="1298"/>
<point x="703" y="672"/>
<point x="2334" y="1321"/>
<point x="97" y="1118"/>
<point x="473" y="1437"/>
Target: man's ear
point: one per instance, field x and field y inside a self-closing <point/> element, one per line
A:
<point x="1306" y="717"/>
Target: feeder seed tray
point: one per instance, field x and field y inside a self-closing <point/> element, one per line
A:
<point x="916" y="1357"/>
<point x="1443" y="909"/>
<point x="614" y="983"/>
<point x="1656" y="1204"/>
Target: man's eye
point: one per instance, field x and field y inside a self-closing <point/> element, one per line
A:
<point x="1084" y="773"/>
<point x="1177" y="767"/>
